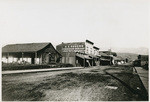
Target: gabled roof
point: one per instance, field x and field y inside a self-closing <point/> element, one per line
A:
<point x="28" y="47"/>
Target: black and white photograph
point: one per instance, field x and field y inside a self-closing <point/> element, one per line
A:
<point x="74" y="50"/>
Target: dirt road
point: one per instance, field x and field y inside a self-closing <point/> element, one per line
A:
<point x="89" y="84"/>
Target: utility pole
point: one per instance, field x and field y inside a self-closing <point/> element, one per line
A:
<point x="8" y="58"/>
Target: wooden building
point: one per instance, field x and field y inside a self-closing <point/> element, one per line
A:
<point x="143" y="59"/>
<point x="33" y="53"/>
<point x="110" y="58"/>
<point x="78" y="53"/>
<point x="105" y="59"/>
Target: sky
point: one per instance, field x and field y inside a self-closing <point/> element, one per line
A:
<point x="107" y="23"/>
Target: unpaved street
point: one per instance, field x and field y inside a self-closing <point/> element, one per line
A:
<point x="103" y="83"/>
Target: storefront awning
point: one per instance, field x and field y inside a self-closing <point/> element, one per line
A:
<point x="103" y="59"/>
<point x="98" y="55"/>
<point x="93" y="56"/>
<point x="83" y="56"/>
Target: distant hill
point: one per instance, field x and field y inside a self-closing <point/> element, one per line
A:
<point x="140" y="50"/>
<point x="130" y="56"/>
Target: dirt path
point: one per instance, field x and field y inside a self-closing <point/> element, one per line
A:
<point x="89" y="84"/>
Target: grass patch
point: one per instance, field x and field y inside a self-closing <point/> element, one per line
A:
<point x="34" y="92"/>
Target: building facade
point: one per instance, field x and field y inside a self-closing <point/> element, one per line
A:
<point x="31" y="53"/>
<point x="78" y="53"/>
<point x="96" y="50"/>
<point x="143" y="60"/>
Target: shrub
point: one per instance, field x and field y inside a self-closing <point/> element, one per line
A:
<point x="64" y="65"/>
<point x="16" y="66"/>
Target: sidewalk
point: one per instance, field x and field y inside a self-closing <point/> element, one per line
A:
<point x="143" y="74"/>
<point x="39" y="70"/>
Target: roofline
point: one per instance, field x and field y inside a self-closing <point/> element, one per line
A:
<point x="69" y="43"/>
<point x="22" y="52"/>
<point x="55" y="49"/>
<point x="31" y="51"/>
<point x="96" y="47"/>
<point x="88" y="41"/>
<point x="24" y="44"/>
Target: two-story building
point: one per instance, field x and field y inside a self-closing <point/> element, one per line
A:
<point x="78" y="53"/>
<point x="96" y="50"/>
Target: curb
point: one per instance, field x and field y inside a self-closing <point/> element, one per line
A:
<point x="41" y="70"/>
<point x="141" y="81"/>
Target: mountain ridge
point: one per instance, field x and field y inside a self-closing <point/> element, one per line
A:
<point x="139" y="51"/>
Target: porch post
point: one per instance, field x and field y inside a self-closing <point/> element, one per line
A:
<point x="35" y="57"/>
<point x="7" y="57"/>
<point x="13" y="59"/>
<point x="39" y="60"/>
<point x="22" y="56"/>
